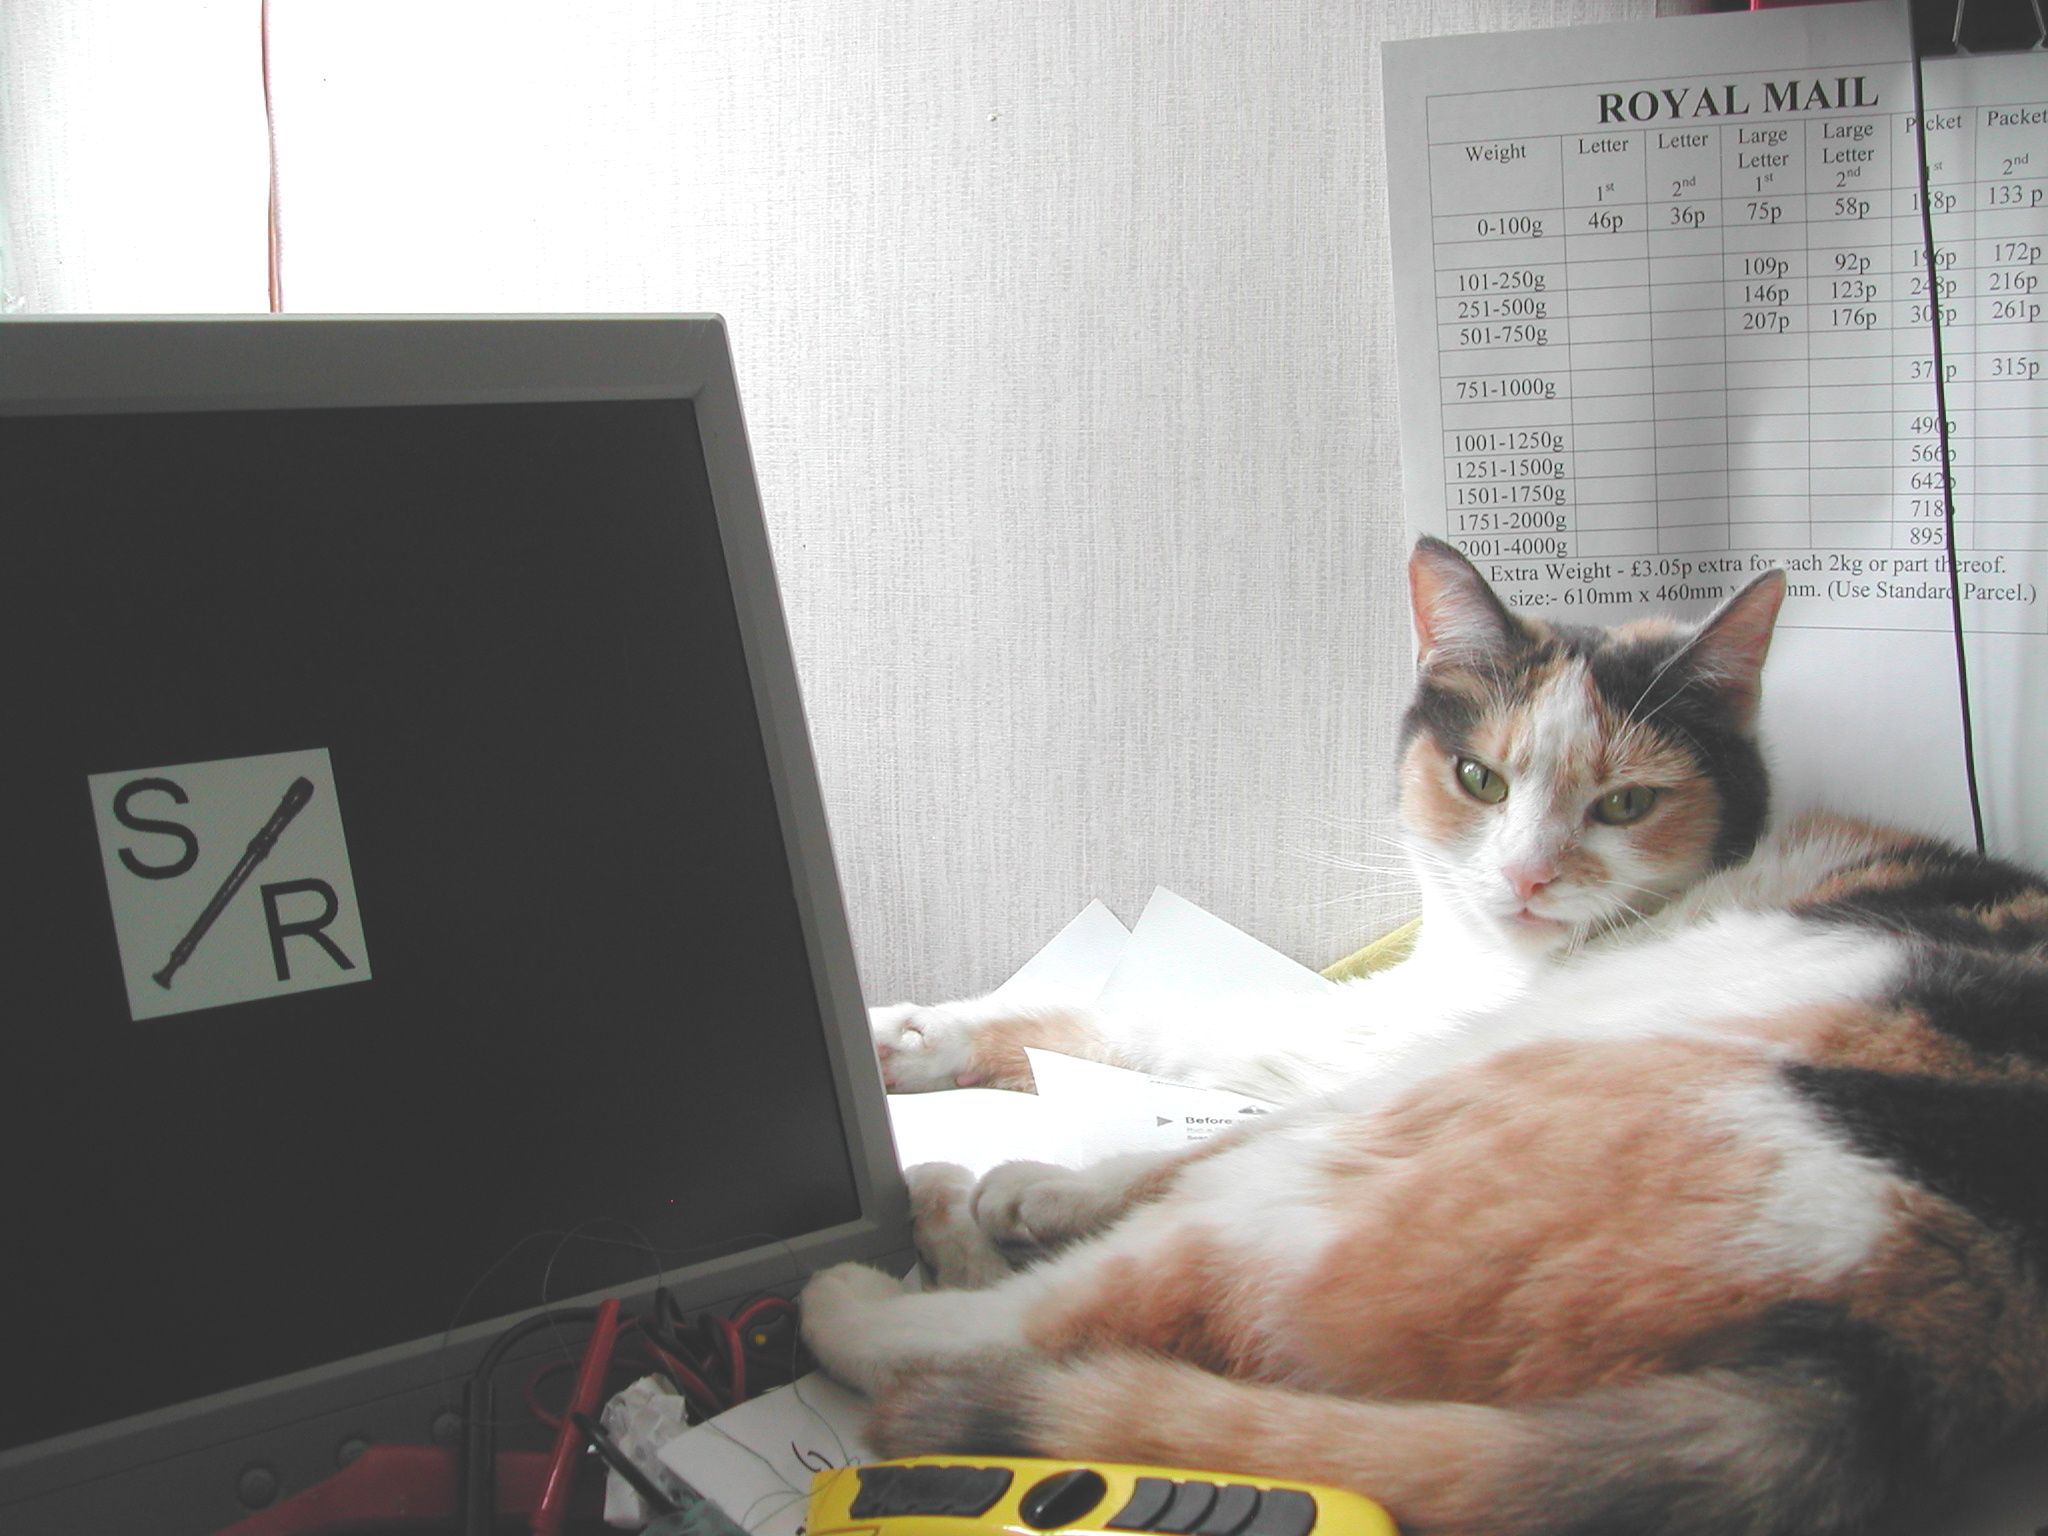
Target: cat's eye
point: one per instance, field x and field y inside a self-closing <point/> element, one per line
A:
<point x="1481" y="782"/>
<point x="1619" y="807"/>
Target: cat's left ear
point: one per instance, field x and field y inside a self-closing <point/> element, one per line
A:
<point x="1458" y="617"/>
<point x="1729" y="650"/>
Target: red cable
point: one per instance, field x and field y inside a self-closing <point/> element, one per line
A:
<point x="686" y="1378"/>
<point x="693" y="1380"/>
<point x="534" y="1405"/>
<point x="552" y="1509"/>
<point x="746" y="1315"/>
<point x="736" y="1354"/>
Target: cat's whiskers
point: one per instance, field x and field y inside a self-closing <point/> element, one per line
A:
<point x="1353" y="899"/>
<point x="1613" y="922"/>
<point x="1419" y="852"/>
<point x="1632" y="723"/>
<point x="1584" y="931"/>
<point x="1381" y="870"/>
<point x="1367" y="863"/>
<point x="1337" y="821"/>
<point x="1401" y="859"/>
<point x="1616" y="882"/>
<point x="1665" y="666"/>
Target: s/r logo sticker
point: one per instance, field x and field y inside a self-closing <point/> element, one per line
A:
<point x="229" y="881"/>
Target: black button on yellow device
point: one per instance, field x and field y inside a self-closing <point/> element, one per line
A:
<point x="1232" y="1511"/>
<point x="1184" y="1512"/>
<point x="1148" y="1501"/>
<point x="1283" y="1512"/>
<point x="966" y="1492"/>
<point x="1025" y="1495"/>
<point x="1062" y="1499"/>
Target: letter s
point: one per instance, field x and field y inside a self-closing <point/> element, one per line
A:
<point x="136" y="823"/>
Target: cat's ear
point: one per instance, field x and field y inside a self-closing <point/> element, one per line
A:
<point x="1457" y="616"/>
<point x="1729" y="650"/>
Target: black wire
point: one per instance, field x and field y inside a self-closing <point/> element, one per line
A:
<point x="476" y="1485"/>
<point x="1948" y="482"/>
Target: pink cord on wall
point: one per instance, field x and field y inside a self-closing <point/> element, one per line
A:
<point x="270" y="131"/>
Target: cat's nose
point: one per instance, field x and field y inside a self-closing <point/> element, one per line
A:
<point x="1529" y="876"/>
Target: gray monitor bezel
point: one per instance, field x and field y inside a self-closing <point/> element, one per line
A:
<point x="123" y="364"/>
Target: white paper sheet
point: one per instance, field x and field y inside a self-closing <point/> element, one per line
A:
<point x="1109" y="1110"/>
<point x="979" y="1128"/>
<point x="1074" y="965"/>
<point x="756" y="1461"/>
<point x="1179" y="953"/>
<point x="1661" y="305"/>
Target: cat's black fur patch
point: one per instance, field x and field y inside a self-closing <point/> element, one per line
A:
<point x="1867" y="1366"/>
<point x="1995" y="1003"/>
<point x="1943" y="898"/>
<point x="1447" y="716"/>
<point x="993" y="1429"/>
<point x="1808" y="1425"/>
<point x="1980" y="1145"/>
<point x="974" y="1410"/>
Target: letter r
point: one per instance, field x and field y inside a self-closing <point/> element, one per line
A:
<point x="311" y="928"/>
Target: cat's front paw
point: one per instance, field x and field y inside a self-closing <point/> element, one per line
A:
<point x="949" y="1239"/>
<point x="841" y="1308"/>
<point x="1027" y="1205"/>
<point x="921" y="1048"/>
<point x="978" y="1043"/>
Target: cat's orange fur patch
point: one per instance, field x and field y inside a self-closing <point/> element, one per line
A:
<point x="1655" y="627"/>
<point x="1432" y="804"/>
<point x="1497" y="739"/>
<point x="1678" y="834"/>
<point x="2028" y="910"/>
<point x="998" y="1059"/>
<point x="1181" y="1299"/>
<point x="1557" y="1218"/>
<point x="1872" y="1037"/>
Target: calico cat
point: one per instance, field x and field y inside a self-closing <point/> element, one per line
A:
<point x="1691" y="1178"/>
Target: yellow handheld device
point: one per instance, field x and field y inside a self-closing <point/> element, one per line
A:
<point x="954" y="1495"/>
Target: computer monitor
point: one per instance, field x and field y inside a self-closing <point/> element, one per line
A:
<point x="419" y="906"/>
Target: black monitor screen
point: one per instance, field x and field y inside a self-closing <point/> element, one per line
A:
<point x="395" y="884"/>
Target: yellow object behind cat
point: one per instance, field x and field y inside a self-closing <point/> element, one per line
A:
<point x="955" y="1495"/>
<point x="1383" y="953"/>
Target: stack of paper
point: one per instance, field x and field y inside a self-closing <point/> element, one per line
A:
<point x="1084" y="1110"/>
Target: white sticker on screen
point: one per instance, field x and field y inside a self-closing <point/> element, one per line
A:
<point x="229" y="881"/>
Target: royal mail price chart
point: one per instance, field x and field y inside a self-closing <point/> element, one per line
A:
<point x="1681" y="334"/>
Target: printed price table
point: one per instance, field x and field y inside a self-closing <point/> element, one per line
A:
<point x="1682" y="333"/>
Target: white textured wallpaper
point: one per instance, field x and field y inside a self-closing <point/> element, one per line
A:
<point x="1066" y="346"/>
<point x="132" y="161"/>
